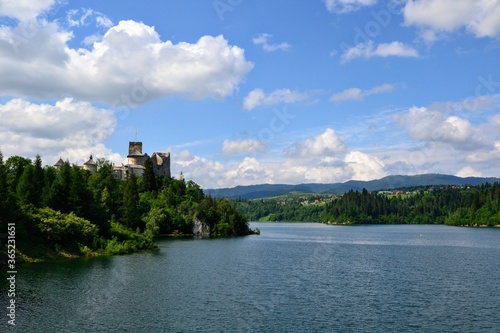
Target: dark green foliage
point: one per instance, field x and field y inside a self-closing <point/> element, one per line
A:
<point x="292" y="207"/>
<point x="15" y="166"/>
<point x="148" y="177"/>
<point x="9" y="210"/>
<point x="470" y="205"/>
<point x="70" y="210"/>
<point x="131" y="216"/>
<point x="59" y="194"/>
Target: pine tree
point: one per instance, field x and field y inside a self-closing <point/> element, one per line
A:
<point x="60" y="190"/>
<point x="38" y="181"/>
<point x="148" y="177"/>
<point x="80" y="198"/>
<point x="130" y="206"/>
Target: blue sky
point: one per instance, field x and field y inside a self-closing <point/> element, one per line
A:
<point x="248" y="92"/>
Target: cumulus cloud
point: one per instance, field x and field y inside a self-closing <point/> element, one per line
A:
<point x="325" y="144"/>
<point x="468" y="172"/>
<point x="258" y="97"/>
<point x="54" y="130"/>
<point x="433" y="126"/>
<point x="250" y="170"/>
<point x="445" y="126"/>
<point x="319" y="159"/>
<point x="263" y="40"/>
<point x="243" y="146"/>
<point x="364" y="166"/>
<point x="480" y="17"/>
<point x="358" y="94"/>
<point x="346" y="6"/>
<point x="369" y="50"/>
<point x="129" y="66"/>
<point x="24" y="10"/>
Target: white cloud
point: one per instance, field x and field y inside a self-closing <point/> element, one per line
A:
<point x="485" y="155"/>
<point x="468" y="172"/>
<point x="368" y="50"/>
<point x="258" y="97"/>
<point x="433" y="126"/>
<point x="81" y="17"/>
<point x="250" y="170"/>
<point x="128" y="67"/>
<point x="364" y="166"/>
<point x="317" y="159"/>
<point x="325" y="158"/>
<point x="209" y="174"/>
<point x="449" y="135"/>
<point x="54" y="130"/>
<point x="262" y="40"/>
<point x="24" y="10"/>
<point x="358" y="94"/>
<point x="243" y="146"/>
<point x="480" y="17"/>
<point x="325" y="144"/>
<point x="346" y="6"/>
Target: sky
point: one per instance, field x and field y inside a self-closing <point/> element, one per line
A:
<point x="247" y="92"/>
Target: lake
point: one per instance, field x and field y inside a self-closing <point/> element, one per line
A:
<point x="294" y="277"/>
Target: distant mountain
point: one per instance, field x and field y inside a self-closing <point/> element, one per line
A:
<point x="386" y="183"/>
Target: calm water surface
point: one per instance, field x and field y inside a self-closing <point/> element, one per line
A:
<point x="292" y="278"/>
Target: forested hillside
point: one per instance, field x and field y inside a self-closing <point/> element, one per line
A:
<point x="69" y="211"/>
<point x="386" y="183"/>
<point x="468" y="205"/>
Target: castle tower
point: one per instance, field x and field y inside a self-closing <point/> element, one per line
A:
<point x="135" y="155"/>
<point x="90" y="165"/>
<point x="59" y="164"/>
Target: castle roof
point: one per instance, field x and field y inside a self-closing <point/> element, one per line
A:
<point x="90" y="161"/>
<point x="134" y="153"/>
<point x="59" y="163"/>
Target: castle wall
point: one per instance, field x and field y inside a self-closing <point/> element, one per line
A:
<point x="136" y="160"/>
<point x="161" y="164"/>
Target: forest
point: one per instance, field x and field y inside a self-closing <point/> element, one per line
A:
<point x="460" y="206"/>
<point x="68" y="211"/>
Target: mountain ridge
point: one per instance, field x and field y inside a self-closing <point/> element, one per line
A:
<point x="385" y="183"/>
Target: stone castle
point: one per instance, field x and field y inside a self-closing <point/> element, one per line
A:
<point x="135" y="163"/>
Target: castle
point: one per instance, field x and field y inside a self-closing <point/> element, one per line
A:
<point x="136" y="160"/>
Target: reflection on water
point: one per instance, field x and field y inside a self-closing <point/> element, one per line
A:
<point x="291" y="278"/>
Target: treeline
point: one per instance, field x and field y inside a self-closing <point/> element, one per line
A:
<point x="70" y="210"/>
<point x="470" y="205"/>
<point x="478" y="205"/>
<point x="283" y="208"/>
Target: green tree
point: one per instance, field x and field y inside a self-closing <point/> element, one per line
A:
<point x="130" y="207"/>
<point x="148" y="177"/>
<point x="59" y="196"/>
<point x="194" y="192"/>
<point x="80" y="197"/>
<point x="15" y="166"/>
<point x="49" y="176"/>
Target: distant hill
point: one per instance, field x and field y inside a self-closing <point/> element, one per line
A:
<point x="386" y="183"/>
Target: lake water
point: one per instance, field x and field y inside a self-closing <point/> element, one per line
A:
<point x="292" y="278"/>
